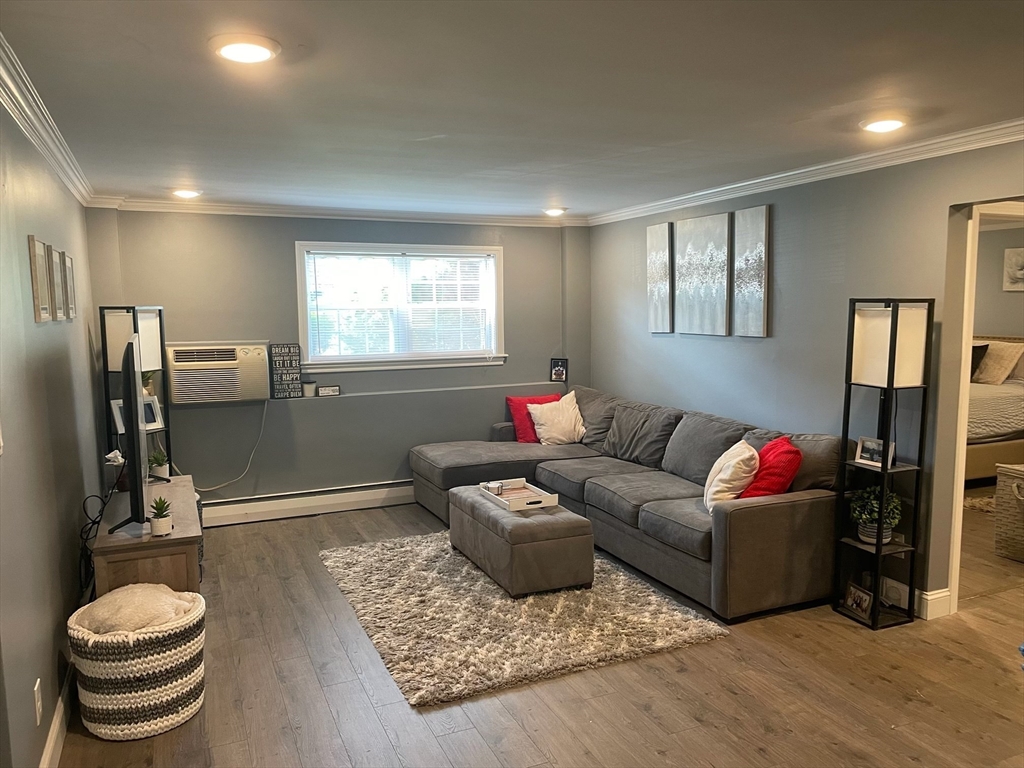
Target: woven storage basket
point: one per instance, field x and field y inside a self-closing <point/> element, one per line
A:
<point x="137" y="684"/>
<point x="1009" y="513"/>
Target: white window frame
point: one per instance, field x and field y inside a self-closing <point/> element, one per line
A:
<point x="399" y="361"/>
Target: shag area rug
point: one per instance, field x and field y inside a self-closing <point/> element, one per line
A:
<point x="446" y="631"/>
<point x="986" y="504"/>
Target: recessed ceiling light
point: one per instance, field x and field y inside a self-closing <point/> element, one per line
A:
<point x="555" y="211"/>
<point x="882" y="126"/>
<point x="245" y="49"/>
<point x="187" y="194"/>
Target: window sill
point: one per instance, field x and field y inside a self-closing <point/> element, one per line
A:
<point x="403" y="364"/>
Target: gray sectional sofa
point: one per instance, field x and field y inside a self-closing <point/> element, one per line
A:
<point x="639" y="476"/>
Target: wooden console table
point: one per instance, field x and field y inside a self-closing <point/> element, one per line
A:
<point x="133" y="556"/>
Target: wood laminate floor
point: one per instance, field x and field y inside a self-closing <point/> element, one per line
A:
<point x="292" y="680"/>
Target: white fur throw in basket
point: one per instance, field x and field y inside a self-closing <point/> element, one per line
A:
<point x="136" y="684"/>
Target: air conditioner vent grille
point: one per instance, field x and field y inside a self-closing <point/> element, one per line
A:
<point x="207" y="385"/>
<point x="222" y="354"/>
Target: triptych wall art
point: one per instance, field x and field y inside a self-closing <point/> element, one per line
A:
<point x="53" y="282"/>
<point x="704" y="279"/>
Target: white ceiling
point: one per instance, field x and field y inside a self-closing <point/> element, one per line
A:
<point x="502" y="108"/>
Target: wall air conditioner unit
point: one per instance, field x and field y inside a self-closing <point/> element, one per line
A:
<point x="218" y="371"/>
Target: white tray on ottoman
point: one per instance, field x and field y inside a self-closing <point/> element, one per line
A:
<point x="517" y="494"/>
<point x="524" y="551"/>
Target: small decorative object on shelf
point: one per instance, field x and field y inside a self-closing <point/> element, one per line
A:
<point x="308" y="388"/>
<point x="328" y="390"/>
<point x="285" y="372"/>
<point x="160" y="521"/>
<point x="158" y="464"/>
<point x="888" y="364"/>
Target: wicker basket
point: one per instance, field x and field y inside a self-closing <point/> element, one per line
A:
<point x="1009" y="514"/>
<point x="137" y="684"/>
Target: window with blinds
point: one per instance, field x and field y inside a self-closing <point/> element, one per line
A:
<point x="366" y="303"/>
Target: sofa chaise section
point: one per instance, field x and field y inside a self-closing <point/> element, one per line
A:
<point x="439" y="467"/>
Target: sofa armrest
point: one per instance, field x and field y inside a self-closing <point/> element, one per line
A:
<point x="772" y="551"/>
<point x="503" y="432"/>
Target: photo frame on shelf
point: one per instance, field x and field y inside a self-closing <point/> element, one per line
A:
<point x="858" y="601"/>
<point x="55" y="276"/>
<point x="869" y="452"/>
<point x="70" y="300"/>
<point x="151" y="408"/>
<point x="38" y="259"/>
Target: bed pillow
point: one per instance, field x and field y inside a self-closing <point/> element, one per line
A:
<point x="521" y="421"/>
<point x="977" y="354"/>
<point x="558" y="423"/>
<point x="999" y="361"/>
<point x="731" y="475"/>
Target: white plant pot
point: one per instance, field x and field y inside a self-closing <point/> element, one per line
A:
<point x="164" y="471"/>
<point x="309" y="389"/>
<point x="161" y="526"/>
<point x="868" y="533"/>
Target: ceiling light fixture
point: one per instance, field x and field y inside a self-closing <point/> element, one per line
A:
<point x="187" y="194"/>
<point x="245" y="49"/>
<point x="555" y="211"/>
<point x="882" y="126"/>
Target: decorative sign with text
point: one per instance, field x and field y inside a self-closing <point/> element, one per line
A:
<point x="285" y="373"/>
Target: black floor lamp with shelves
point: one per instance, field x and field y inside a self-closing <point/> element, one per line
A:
<point x="888" y="363"/>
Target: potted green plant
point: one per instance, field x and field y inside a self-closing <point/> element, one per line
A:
<point x="864" y="508"/>
<point x="158" y="464"/>
<point x="147" y="382"/>
<point x="160" y="521"/>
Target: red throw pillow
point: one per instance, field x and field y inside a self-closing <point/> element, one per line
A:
<point x="521" y="419"/>
<point x="779" y="463"/>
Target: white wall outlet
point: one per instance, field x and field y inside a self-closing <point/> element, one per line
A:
<point x="37" y="691"/>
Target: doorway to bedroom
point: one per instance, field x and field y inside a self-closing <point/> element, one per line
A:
<point x="991" y="545"/>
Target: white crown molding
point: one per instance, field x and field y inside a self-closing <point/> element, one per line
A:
<point x="20" y="98"/>
<point x="303" y="212"/>
<point x="975" y="138"/>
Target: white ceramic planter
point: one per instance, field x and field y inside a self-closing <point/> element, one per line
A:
<point x="309" y="389"/>
<point x="868" y="533"/>
<point x="160" y="526"/>
<point x="164" y="471"/>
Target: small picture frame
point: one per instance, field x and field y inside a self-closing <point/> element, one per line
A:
<point x="328" y="390"/>
<point x="55" y="269"/>
<point x="151" y="408"/>
<point x="70" y="300"/>
<point x="858" y="601"/>
<point x="38" y="259"/>
<point x="560" y="369"/>
<point x="869" y="452"/>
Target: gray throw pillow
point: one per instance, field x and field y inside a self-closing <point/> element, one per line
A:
<point x="697" y="443"/>
<point x="597" y="409"/>
<point x="640" y="432"/>
<point x="820" y="464"/>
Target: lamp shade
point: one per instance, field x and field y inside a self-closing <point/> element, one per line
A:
<point x="120" y="326"/>
<point x="871" y="332"/>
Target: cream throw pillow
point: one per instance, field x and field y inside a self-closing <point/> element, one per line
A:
<point x="134" y="607"/>
<point x="998" y="362"/>
<point x="731" y="474"/>
<point x="558" y="423"/>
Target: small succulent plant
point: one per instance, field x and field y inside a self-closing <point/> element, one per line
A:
<point x="161" y="508"/>
<point x="157" y="459"/>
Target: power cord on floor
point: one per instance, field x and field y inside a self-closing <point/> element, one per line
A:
<point x="263" y="424"/>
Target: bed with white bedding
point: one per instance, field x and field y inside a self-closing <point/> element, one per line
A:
<point x="995" y="420"/>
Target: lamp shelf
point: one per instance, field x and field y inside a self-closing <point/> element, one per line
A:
<point x="882" y="386"/>
<point x="898" y="467"/>
<point x="887" y="617"/>
<point x="887" y="549"/>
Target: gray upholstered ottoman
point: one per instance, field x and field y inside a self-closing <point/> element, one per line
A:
<point x="533" y="550"/>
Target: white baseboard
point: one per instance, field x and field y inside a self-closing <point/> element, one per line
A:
<point x="932" y="605"/>
<point x="301" y="506"/>
<point x="58" y="726"/>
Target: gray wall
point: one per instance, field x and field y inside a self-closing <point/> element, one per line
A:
<point x="997" y="312"/>
<point x="881" y="233"/>
<point x="50" y="457"/>
<point x="233" y="277"/>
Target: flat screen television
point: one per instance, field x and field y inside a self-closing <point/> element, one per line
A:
<point x="135" y="446"/>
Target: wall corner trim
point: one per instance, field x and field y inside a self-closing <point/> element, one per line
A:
<point x="58" y="726"/>
<point x="963" y="141"/>
<point x="933" y="605"/>
<point x="21" y="99"/>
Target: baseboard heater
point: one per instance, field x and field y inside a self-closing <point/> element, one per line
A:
<point x="279" y="506"/>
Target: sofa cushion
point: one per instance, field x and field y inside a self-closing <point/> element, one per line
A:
<point x="640" y="432"/>
<point x="820" y="465"/>
<point x="567" y="477"/>
<point x="684" y="524"/>
<point x="697" y="443"/>
<point x="521" y="418"/>
<point x="597" y="409"/>
<point x="447" y="465"/>
<point x="623" y="495"/>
